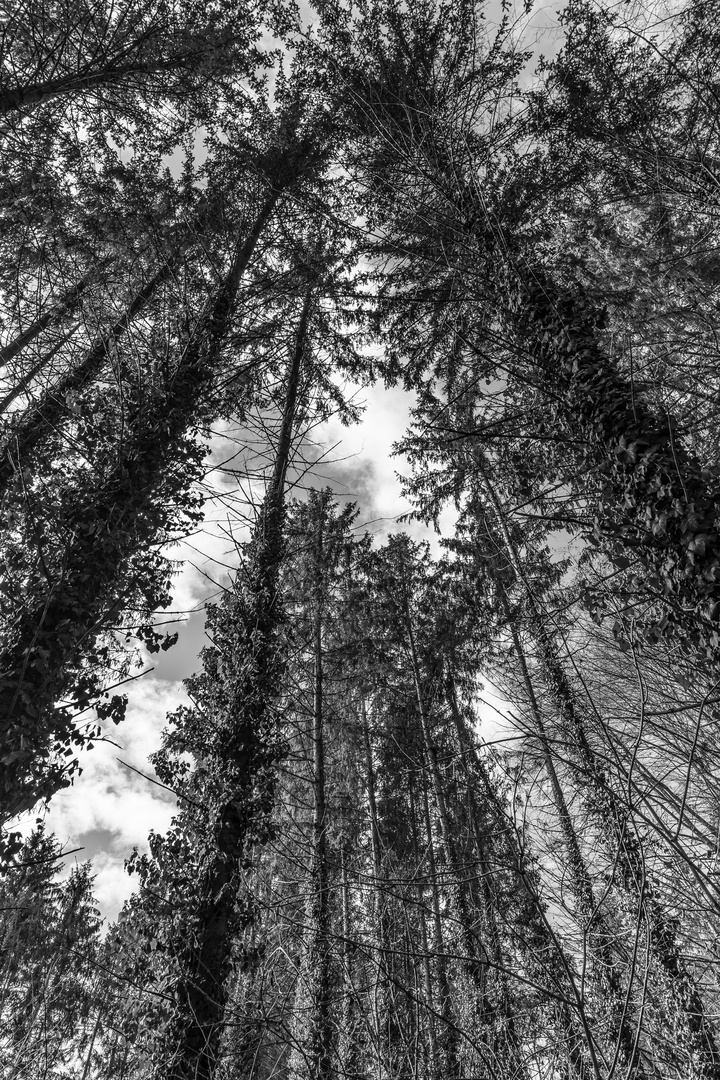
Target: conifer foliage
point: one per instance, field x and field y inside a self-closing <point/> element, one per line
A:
<point x="446" y="799"/>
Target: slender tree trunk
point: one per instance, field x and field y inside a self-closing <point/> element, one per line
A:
<point x="379" y="994"/>
<point x="449" y="1064"/>
<point x="88" y="1060"/>
<point x="544" y="956"/>
<point x="66" y="305"/>
<point x="617" y="830"/>
<point x="26" y="380"/>
<point x="318" y="1053"/>
<point x="348" y="1042"/>
<point x="500" y="963"/>
<point x="475" y="949"/>
<point x="49" y="413"/>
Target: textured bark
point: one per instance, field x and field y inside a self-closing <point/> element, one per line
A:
<point x="66" y="305"/>
<point x="616" y="829"/>
<point x="121" y="517"/>
<point x="317" y="1056"/>
<point x="202" y="994"/>
<point x="663" y="504"/>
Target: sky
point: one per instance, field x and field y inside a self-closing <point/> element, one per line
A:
<point x="114" y="803"/>
<point x="110" y="809"/>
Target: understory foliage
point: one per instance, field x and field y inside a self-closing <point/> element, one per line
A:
<point x="446" y="800"/>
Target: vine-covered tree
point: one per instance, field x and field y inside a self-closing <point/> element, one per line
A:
<point x="219" y="221"/>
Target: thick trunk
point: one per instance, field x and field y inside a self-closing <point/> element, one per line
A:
<point x="202" y="993"/>
<point x="661" y="503"/>
<point x="117" y="519"/>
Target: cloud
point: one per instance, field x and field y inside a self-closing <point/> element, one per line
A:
<point x="110" y="809"/>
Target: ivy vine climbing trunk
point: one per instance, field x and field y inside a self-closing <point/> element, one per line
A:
<point x="317" y="1041"/>
<point x="246" y="750"/>
<point x="123" y="515"/>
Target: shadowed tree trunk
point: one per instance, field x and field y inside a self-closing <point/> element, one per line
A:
<point x="121" y="517"/>
<point x="244" y="749"/>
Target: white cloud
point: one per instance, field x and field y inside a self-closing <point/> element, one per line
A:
<point x="110" y="809"/>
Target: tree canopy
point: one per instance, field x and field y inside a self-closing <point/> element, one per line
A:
<point x="221" y="223"/>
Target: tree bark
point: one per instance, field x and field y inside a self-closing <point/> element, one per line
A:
<point x="202" y="993"/>
<point x="318" y="1052"/>
<point x="117" y="519"/>
<point x="616" y="829"/>
<point x="66" y="305"/>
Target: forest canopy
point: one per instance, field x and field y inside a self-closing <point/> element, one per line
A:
<point x="221" y="224"/>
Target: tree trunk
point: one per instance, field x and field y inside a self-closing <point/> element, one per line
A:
<point x="513" y="1047"/>
<point x="546" y="960"/>
<point x="379" y="949"/>
<point x="26" y="380"/>
<point x="449" y="1065"/>
<point x="116" y="520"/>
<point x="616" y="829"/>
<point x="475" y="949"/>
<point x="202" y="992"/>
<point x="318" y="1051"/>
<point x="67" y="303"/>
<point x="114" y="72"/>
<point x="49" y="413"/>
<point x="348" y="1040"/>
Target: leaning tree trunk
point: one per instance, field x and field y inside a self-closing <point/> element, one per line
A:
<point x="66" y="305"/>
<point x="659" y="504"/>
<point x="542" y="953"/>
<point x="475" y="961"/>
<point x="25" y="381"/>
<point x="490" y="899"/>
<point x="616" y="829"/>
<point x="119" y="518"/>
<point x="45" y="417"/>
